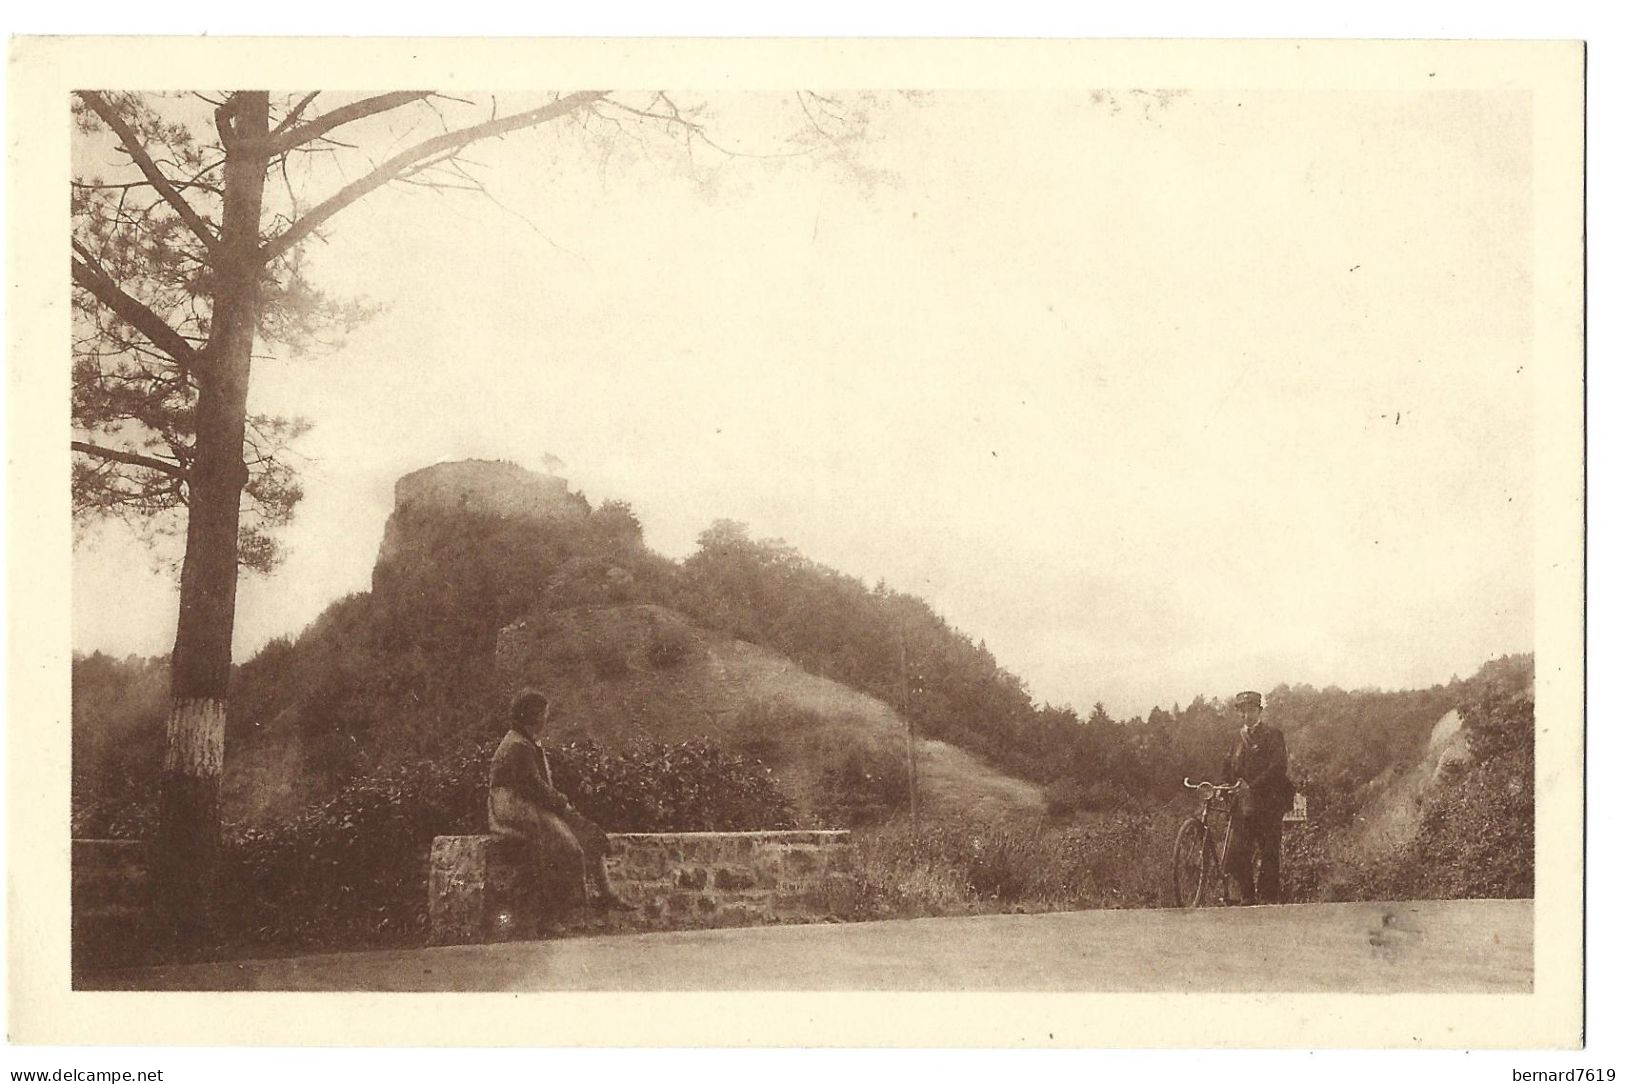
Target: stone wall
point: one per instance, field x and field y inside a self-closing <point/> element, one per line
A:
<point x="480" y="889"/>
<point x="110" y="904"/>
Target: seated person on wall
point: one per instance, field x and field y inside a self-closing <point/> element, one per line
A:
<point x="523" y="806"/>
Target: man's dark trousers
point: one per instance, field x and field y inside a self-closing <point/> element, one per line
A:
<point x="1266" y="833"/>
<point x="1258" y="832"/>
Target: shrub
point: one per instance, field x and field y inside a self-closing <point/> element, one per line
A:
<point x="108" y="808"/>
<point x="608" y="657"/>
<point x="1476" y="836"/>
<point x="353" y="871"/>
<point x="669" y="645"/>
<point x="563" y="650"/>
<point x="867" y="784"/>
<point x="767" y="726"/>
<point x="1498" y="716"/>
<point x="593" y="579"/>
<point x="691" y="786"/>
<point x="948" y="866"/>
<point x="1065" y="797"/>
<point x="617" y="523"/>
<point x="1306" y="861"/>
<point x="119" y="708"/>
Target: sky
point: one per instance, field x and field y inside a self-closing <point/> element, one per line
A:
<point x="1156" y="394"/>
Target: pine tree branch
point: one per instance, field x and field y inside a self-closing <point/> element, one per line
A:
<point x="134" y="459"/>
<point x="412" y="157"/>
<point x="320" y="126"/>
<point x="149" y="168"/>
<point x="89" y="275"/>
<point x="294" y="114"/>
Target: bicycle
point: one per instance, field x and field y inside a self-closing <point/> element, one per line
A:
<point x="1199" y="865"/>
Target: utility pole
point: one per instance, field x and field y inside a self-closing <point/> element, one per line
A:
<point x="909" y="685"/>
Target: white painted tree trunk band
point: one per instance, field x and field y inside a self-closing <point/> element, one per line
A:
<point x="196" y="735"/>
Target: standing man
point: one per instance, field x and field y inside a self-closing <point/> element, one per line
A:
<point x="523" y="806"/>
<point x="1259" y="760"/>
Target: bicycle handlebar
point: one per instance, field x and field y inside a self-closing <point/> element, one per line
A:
<point x="1218" y="788"/>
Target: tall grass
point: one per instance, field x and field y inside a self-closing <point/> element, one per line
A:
<point x="961" y="866"/>
<point x="1109" y="858"/>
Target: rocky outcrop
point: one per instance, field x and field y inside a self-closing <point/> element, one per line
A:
<point x="476" y="487"/>
<point x="489" y="486"/>
<point x="1392" y="816"/>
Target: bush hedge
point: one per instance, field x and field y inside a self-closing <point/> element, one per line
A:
<point x="352" y="871"/>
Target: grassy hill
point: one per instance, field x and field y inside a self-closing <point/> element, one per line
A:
<point x="490" y="580"/>
<point x="623" y="674"/>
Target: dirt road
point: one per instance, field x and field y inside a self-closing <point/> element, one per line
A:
<point x="1456" y="946"/>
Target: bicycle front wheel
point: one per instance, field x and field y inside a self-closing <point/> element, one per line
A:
<point x="1194" y="865"/>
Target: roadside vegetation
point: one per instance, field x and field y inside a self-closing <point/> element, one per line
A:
<point x="377" y="723"/>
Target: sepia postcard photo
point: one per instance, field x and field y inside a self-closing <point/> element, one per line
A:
<point x="795" y="543"/>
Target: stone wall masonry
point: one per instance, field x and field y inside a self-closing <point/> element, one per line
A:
<point x="480" y="890"/>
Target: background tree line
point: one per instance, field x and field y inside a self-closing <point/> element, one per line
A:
<point x="413" y="660"/>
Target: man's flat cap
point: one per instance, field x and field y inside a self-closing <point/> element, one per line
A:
<point x="1249" y="700"/>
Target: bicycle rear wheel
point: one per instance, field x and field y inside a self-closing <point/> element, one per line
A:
<point x="1195" y="867"/>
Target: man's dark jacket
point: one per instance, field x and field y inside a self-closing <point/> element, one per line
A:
<point x="1260" y="759"/>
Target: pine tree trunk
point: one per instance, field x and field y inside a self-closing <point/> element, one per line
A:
<point x="187" y="847"/>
